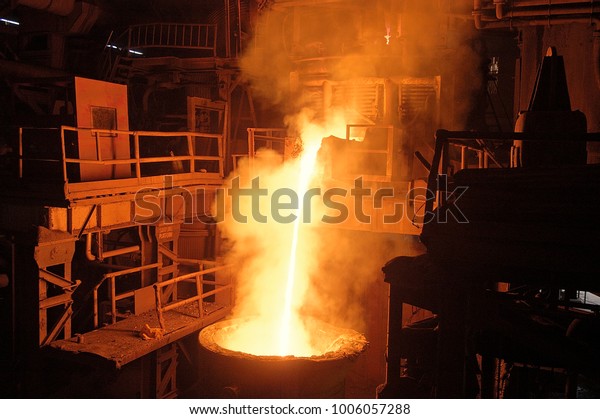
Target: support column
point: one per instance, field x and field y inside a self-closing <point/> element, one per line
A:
<point x="166" y="372"/>
<point x="53" y="254"/>
<point x="167" y="241"/>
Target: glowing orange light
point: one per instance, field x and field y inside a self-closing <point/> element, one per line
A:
<point x="277" y="260"/>
<point x="307" y="169"/>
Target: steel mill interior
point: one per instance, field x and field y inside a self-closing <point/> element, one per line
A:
<point x="296" y="199"/>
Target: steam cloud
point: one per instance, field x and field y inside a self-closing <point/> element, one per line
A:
<point x="339" y="266"/>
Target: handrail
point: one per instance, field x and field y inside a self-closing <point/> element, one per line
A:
<point x="441" y="163"/>
<point x="112" y="277"/>
<point x="198" y="278"/>
<point x="269" y="135"/>
<point x="114" y="297"/>
<point x="137" y="160"/>
<point x="484" y="154"/>
<point x="360" y="143"/>
<point x="200" y="36"/>
<point x="21" y="157"/>
<point x="203" y="152"/>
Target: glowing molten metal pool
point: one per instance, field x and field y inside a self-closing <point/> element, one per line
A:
<point x="244" y="375"/>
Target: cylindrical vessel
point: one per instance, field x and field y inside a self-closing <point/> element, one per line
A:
<point x="232" y="374"/>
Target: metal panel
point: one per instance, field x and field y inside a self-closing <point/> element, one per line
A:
<point x="143" y="300"/>
<point x="95" y="102"/>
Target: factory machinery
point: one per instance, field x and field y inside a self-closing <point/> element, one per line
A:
<point x="109" y="250"/>
<point x="510" y="266"/>
<point x="106" y="231"/>
<point x="110" y="260"/>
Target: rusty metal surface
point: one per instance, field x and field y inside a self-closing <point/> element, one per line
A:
<point x="121" y="343"/>
<point x="102" y="105"/>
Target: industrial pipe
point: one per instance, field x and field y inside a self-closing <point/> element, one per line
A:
<point x="549" y="21"/>
<point x="542" y="17"/>
<point x="574" y="11"/>
<point x="88" y="247"/>
<point x="500" y="8"/>
<point x="477" y="14"/>
<point x="57" y="7"/>
<point x="118" y="252"/>
<point x="540" y="3"/>
<point x="554" y="11"/>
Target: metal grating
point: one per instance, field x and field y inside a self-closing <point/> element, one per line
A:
<point x="313" y="98"/>
<point x="419" y="96"/>
<point x="365" y="98"/>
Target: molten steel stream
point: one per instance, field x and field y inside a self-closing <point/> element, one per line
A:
<point x="307" y="169"/>
<point x="277" y="271"/>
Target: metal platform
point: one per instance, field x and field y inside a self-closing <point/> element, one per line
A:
<point x="118" y="344"/>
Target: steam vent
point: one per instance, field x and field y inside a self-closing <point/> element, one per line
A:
<point x="381" y="199"/>
<point x="242" y="375"/>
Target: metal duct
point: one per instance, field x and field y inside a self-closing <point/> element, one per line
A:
<point x="85" y="17"/>
<point x="22" y="70"/>
<point x="534" y="13"/>
<point x="57" y="7"/>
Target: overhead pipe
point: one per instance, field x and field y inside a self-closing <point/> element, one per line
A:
<point x="540" y="3"/>
<point x="524" y="22"/>
<point x="57" y="7"/>
<point x="574" y="11"/>
<point x="538" y="8"/>
<point x="554" y="11"/>
<point x="549" y="12"/>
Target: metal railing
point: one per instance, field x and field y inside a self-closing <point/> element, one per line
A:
<point x="113" y="296"/>
<point x="269" y="138"/>
<point x="135" y="141"/>
<point x="375" y="151"/>
<point x="161" y="306"/>
<point x="173" y="35"/>
<point x="198" y="279"/>
<point x="482" y="151"/>
<point x="31" y="149"/>
<point x="440" y="166"/>
<point x="81" y="163"/>
<point x="277" y="139"/>
<point x="201" y="152"/>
